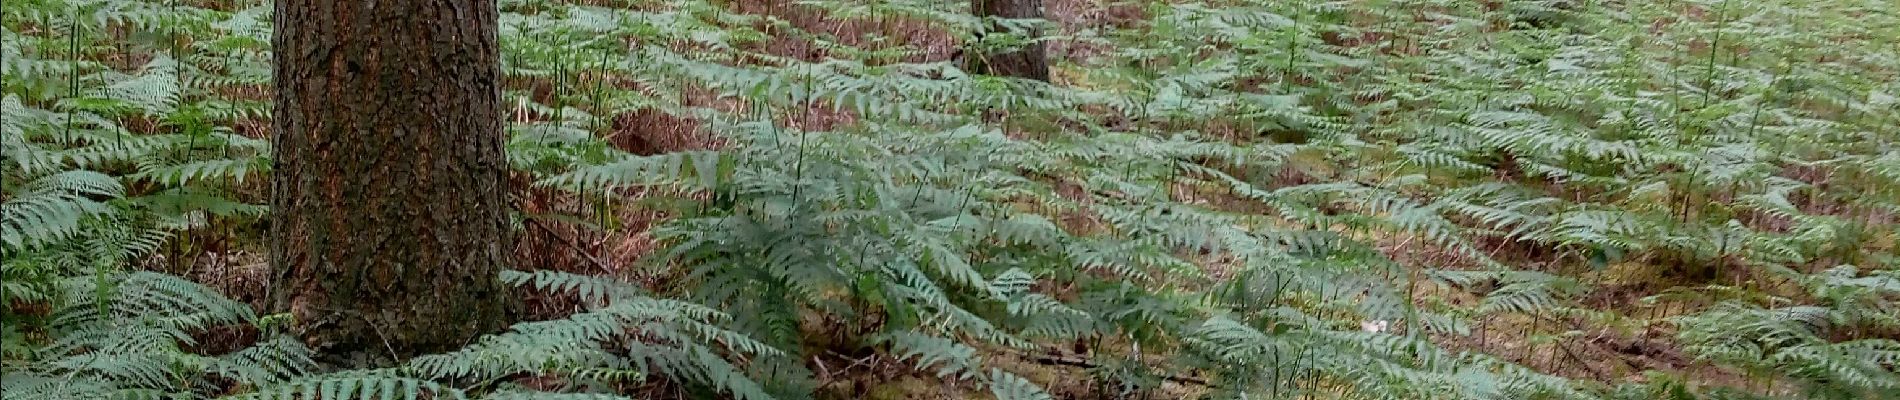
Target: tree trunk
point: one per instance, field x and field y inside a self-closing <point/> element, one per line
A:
<point x="1027" y="62"/>
<point x="389" y="220"/>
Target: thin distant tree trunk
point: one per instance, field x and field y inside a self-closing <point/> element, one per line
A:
<point x="1028" y="62"/>
<point x="389" y="222"/>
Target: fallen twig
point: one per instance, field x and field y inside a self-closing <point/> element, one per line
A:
<point x="1049" y="359"/>
<point x="571" y="244"/>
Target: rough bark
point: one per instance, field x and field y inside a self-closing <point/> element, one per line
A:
<point x="389" y="219"/>
<point x="1028" y="62"/>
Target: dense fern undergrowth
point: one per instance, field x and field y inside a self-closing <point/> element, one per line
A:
<point x="1356" y="199"/>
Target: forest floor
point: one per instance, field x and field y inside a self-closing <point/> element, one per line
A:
<point x="1585" y="351"/>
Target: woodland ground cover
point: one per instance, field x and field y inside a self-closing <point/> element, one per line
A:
<point x="1224" y="199"/>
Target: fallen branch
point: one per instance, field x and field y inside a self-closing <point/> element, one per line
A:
<point x="1048" y="359"/>
<point x="1580" y="361"/>
<point x="571" y="244"/>
<point x="1573" y="355"/>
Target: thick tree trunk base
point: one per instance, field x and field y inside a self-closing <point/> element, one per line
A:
<point x="1030" y="62"/>
<point x="389" y="218"/>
